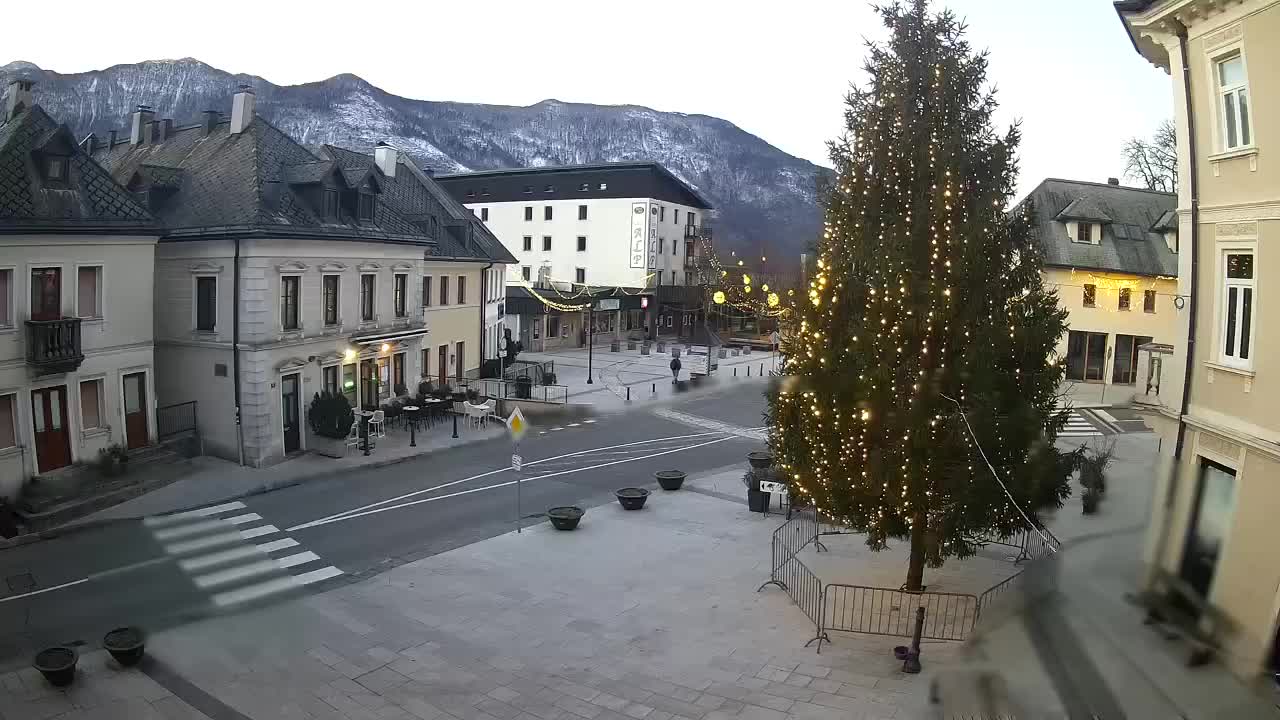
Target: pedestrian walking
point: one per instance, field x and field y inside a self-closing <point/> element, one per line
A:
<point x="675" y="370"/>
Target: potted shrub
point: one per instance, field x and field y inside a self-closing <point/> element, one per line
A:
<point x="670" y="479"/>
<point x="566" y="517"/>
<point x="1093" y="476"/>
<point x="108" y="465"/>
<point x="1089" y="501"/>
<point x="330" y="419"/>
<point x="631" y="498"/>
<point x="57" y="664"/>
<point x="757" y="499"/>
<point x="126" y="645"/>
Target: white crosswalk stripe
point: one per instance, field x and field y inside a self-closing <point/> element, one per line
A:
<point x="1077" y="426"/>
<point x="231" y="553"/>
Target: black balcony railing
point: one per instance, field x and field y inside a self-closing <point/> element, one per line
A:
<point x="691" y="232"/>
<point x="53" y="346"/>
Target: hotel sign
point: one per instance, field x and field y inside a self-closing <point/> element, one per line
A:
<point x="653" y="236"/>
<point x="639" y="234"/>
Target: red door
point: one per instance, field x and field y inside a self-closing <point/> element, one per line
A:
<point x="135" y="410"/>
<point x="46" y="293"/>
<point x="49" y="419"/>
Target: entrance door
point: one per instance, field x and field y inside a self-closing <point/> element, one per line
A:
<point x="443" y="365"/>
<point x="461" y="364"/>
<point x="369" y="384"/>
<point x="46" y="293"/>
<point x="1086" y="355"/>
<point x="1125" y="369"/>
<point x="289" y="412"/>
<point x="135" y="410"/>
<point x="49" y="419"/>
<point x="1215" y="498"/>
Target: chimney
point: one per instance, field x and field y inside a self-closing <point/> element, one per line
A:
<point x="141" y="120"/>
<point x="211" y="118"/>
<point x="18" y="99"/>
<point x="166" y="129"/>
<point x="1113" y="181"/>
<point x="241" y="109"/>
<point x="385" y="156"/>
<point x="89" y="144"/>
<point x="151" y="135"/>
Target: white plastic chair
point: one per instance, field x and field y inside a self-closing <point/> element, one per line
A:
<point x="353" y="436"/>
<point x="376" y="423"/>
<point x="475" y="415"/>
<point x="490" y="409"/>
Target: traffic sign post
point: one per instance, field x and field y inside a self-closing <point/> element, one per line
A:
<point x="517" y="426"/>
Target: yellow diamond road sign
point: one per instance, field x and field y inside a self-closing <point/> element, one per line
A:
<point x="517" y="425"/>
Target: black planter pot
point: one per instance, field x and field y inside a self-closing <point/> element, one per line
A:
<point x="670" y="479"/>
<point x="57" y="664"/>
<point x="565" y="518"/>
<point x="126" y="645"/>
<point x="631" y="498"/>
<point x="757" y="501"/>
<point x="760" y="460"/>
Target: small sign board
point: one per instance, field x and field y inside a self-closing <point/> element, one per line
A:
<point x="516" y="461"/>
<point x="776" y="488"/>
<point x="608" y="304"/>
<point x="517" y="426"/>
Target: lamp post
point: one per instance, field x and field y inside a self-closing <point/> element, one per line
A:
<point x="455" y="424"/>
<point x="591" y="329"/>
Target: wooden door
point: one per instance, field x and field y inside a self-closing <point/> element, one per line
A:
<point x="49" y="420"/>
<point x="461" y="364"/>
<point x="135" y="410"/>
<point x="46" y="293"/>
<point x="289" y="413"/>
<point x="443" y="365"/>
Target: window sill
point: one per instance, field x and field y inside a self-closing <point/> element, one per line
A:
<point x="204" y="334"/>
<point x="88" y="433"/>
<point x="92" y="320"/>
<point x="1234" y="153"/>
<point x="10" y="451"/>
<point x="1229" y="369"/>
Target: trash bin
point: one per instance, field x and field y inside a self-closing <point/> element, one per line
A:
<point x="524" y="387"/>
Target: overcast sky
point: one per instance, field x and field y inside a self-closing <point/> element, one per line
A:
<point x="776" y="69"/>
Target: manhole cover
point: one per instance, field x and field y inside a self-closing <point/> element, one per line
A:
<point x="21" y="583"/>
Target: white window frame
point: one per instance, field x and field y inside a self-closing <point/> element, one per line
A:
<point x="395" y="278"/>
<point x="1235" y="91"/>
<point x="195" y="301"/>
<point x="10" y="323"/>
<point x="103" y="425"/>
<point x="337" y="302"/>
<point x="101" y="290"/>
<point x="280" y="305"/>
<point x="11" y="396"/>
<point x="1224" y="290"/>
<point x="373" y="296"/>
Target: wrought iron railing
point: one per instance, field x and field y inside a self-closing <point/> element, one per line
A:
<point x="173" y="420"/>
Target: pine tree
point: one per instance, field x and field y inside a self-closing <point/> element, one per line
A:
<point x="926" y="308"/>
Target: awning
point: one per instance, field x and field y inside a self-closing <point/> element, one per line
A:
<point x="390" y="337"/>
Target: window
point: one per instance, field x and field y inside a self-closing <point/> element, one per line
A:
<point x="289" y="302"/>
<point x="1237" y="318"/>
<point x="484" y="214"/>
<point x="56" y="170"/>
<point x="524" y="272"/>
<point x="546" y="243"/>
<point x="89" y="292"/>
<point x="397" y="373"/>
<point x="8" y="436"/>
<point x="673" y="277"/>
<point x="401" y="295"/>
<point x="329" y="379"/>
<point x="662" y="213"/>
<point x="661" y="246"/>
<point x="459" y="363"/>
<point x="1086" y="355"/>
<point x="528" y="243"/>
<point x="1124" y="299"/>
<point x="471" y="193"/>
<point x="90" y="405"/>
<point x="553" y="326"/>
<point x="675" y="247"/>
<point x="1090" y="295"/>
<point x="444" y="289"/>
<point x="1125" y="368"/>
<point x="367" y="285"/>
<point x="6" y="299"/>
<point x="330" y="283"/>
<point x="549" y="188"/>
<point x="580" y="276"/>
<point x="426" y="291"/>
<point x="206" y="303"/>
<point x="583" y="187"/>
<point x="604" y="186"/>
<point x="528" y="213"/>
<point x="582" y="212"/>
<point x="676" y="219"/>
<point x="331" y="204"/>
<point x="688" y="249"/>
<point x="349" y="383"/>
<point x="582" y="243"/>
<point x="546" y="212"/>
<point x="462" y="289"/>
<point x="366" y="206"/>
<point x="1149" y="301"/>
<point x="484" y="191"/>
<point x="1084" y="233"/>
<point x="1235" y="103"/>
<point x="527" y="190"/>
<point x="426" y="362"/>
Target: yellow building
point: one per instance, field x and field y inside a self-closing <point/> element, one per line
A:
<point x="1219" y="483"/>
<point x="1111" y="253"/>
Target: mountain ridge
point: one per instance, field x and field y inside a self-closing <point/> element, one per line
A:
<point x="766" y="198"/>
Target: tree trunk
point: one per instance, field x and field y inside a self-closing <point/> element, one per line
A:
<point x="915" y="570"/>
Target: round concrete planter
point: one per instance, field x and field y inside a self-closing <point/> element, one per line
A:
<point x="566" y="517"/>
<point x="126" y="645"/>
<point x="670" y="479"/>
<point x="631" y="498"/>
<point x="57" y="664"/>
<point x="760" y="460"/>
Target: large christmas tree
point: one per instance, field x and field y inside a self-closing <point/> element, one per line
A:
<point x="926" y="309"/>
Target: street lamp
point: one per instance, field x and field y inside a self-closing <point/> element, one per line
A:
<point x="591" y="329"/>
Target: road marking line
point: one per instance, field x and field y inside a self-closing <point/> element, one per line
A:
<point x="323" y="573"/>
<point x="574" y="424"/>
<point x="494" y="472"/>
<point x="258" y="531"/>
<point x="203" y="543"/>
<point x="182" y="531"/>
<point x="556" y="428"/>
<point x="273" y="586"/>
<point x="44" y="590"/>
<point x="301" y="558"/>
<point x="219" y="558"/>
<point x="702" y="422"/>
<point x="351" y="516"/>
<point x="277" y="545"/>
<point x="588" y="421"/>
<point x="161" y="520"/>
<point x="242" y="519"/>
<point x="240" y="572"/>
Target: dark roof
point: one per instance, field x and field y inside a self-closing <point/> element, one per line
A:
<point x="1084" y="208"/>
<point x="565" y="180"/>
<point x="1131" y="6"/>
<point x="92" y="200"/>
<point x="1167" y="221"/>
<point x="1128" y="243"/>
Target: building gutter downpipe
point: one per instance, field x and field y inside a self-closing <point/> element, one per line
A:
<point x="235" y="347"/>
<point x="484" y="307"/>
<point x="1193" y="179"/>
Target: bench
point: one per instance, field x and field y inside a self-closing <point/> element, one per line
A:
<point x="1173" y="603"/>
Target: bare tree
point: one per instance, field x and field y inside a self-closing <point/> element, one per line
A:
<point x="1154" y="162"/>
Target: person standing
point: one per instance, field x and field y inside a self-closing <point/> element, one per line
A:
<point x="675" y="370"/>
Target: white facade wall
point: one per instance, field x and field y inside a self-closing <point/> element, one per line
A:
<point x="117" y="343"/>
<point x="607" y="258"/>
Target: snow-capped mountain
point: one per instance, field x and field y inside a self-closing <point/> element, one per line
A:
<point x="766" y="197"/>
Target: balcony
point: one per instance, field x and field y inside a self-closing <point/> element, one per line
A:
<point x="53" y="346"/>
<point x="691" y="232"/>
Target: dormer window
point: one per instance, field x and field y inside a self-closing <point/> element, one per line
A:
<point x="366" y="206"/>
<point x="528" y="189"/>
<point x="55" y="170"/>
<point x="331" y="204"/>
<point x="1084" y="233"/>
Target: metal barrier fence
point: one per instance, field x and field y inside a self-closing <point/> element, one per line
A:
<point x="176" y="419"/>
<point x="883" y="611"/>
<point x="793" y="576"/>
<point x="1031" y="544"/>
<point x="994" y="592"/>
<point x="509" y="389"/>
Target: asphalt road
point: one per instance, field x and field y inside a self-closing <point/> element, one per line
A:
<point x="308" y="537"/>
